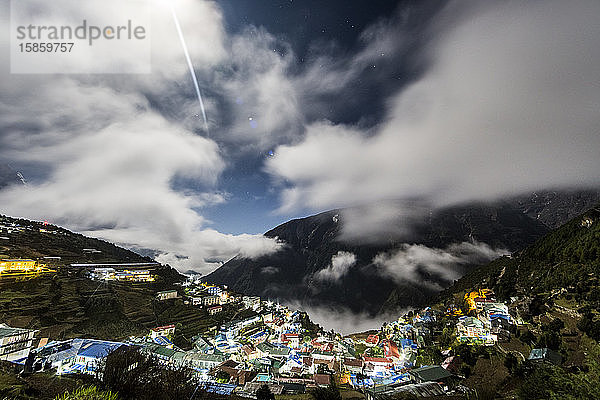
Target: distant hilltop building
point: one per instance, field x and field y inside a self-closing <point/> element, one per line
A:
<point x="21" y="267"/>
<point x="122" y="272"/>
<point x="166" y="295"/>
<point x="17" y="265"/>
<point x="111" y="274"/>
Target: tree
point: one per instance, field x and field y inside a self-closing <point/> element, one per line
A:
<point x="552" y="382"/>
<point x="465" y="370"/>
<point x="551" y="336"/>
<point x="511" y="362"/>
<point x="179" y="339"/>
<point x="223" y="376"/>
<point x="264" y="393"/>
<point x="527" y="337"/>
<point x="551" y="340"/>
<point x="135" y="375"/>
<point x="590" y="326"/>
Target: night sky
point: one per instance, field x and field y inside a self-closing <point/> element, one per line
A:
<point x="312" y="28"/>
<point x="311" y="106"/>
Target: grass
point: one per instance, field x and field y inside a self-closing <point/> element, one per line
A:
<point x="41" y="385"/>
<point x="571" y="304"/>
<point x="88" y="393"/>
<point x="488" y="374"/>
<point x="304" y="396"/>
<point x="351" y="394"/>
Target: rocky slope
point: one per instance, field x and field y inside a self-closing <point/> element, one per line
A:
<point x="555" y="207"/>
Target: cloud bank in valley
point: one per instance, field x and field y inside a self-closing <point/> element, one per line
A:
<point x="343" y="320"/>
<point x="415" y="263"/>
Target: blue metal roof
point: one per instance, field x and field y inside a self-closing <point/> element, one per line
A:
<point x="162" y="340"/>
<point x="98" y="349"/>
<point x="218" y="388"/>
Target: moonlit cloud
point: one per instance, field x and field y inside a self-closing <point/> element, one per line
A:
<point x="108" y="159"/>
<point x="121" y="183"/>
<point x="265" y="108"/>
<point x="417" y="263"/>
<point x="380" y="221"/>
<point x="508" y="104"/>
<point x="343" y="320"/>
<point x="340" y="263"/>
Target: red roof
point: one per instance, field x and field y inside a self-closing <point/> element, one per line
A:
<point x="391" y="349"/>
<point x="378" y="360"/>
<point x="160" y="328"/>
<point x="373" y="339"/>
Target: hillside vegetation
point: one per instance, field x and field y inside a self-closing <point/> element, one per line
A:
<point x="553" y="288"/>
<point x="565" y="259"/>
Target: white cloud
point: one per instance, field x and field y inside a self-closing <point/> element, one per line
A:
<point x="379" y="221"/>
<point x="270" y="270"/>
<point x="109" y="159"/>
<point x="265" y="106"/>
<point x="120" y="178"/>
<point x="340" y="264"/>
<point x="510" y="103"/>
<point x="415" y="263"/>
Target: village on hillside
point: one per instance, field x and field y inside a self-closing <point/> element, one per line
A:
<point x="268" y="343"/>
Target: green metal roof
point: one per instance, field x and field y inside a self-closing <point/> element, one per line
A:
<point x="431" y="373"/>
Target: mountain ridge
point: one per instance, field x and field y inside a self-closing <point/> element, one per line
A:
<point x="312" y="243"/>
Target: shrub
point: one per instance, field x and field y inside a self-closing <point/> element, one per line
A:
<point x="88" y="393"/>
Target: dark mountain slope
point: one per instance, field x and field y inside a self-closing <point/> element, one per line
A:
<point x="292" y="274"/>
<point x="26" y="241"/>
<point x="568" y="257"/>
<point x="556" y="207"/>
